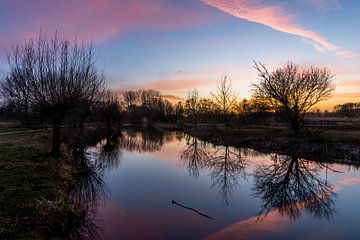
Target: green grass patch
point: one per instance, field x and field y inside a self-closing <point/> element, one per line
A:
<point x="28" y="177"/>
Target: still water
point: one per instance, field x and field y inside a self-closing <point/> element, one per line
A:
<point x="169" y="185"/>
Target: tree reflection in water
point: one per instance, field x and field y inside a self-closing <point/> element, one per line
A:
<point x="292" y="184"/>
<point x="195" y="156"/>
<point x="227" y="166"/>
<point x="87" y="191"/>
<point x="148" y="140"/>
<point x="110" y="153"/>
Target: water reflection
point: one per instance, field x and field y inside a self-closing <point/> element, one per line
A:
<point x="87" y="191"/>
<point x="292" y="184"/>
<point x="225" y="164"/>
<point x="148" y="140"/>
<point x="227" y="167"/>
<point x="110" y="152"/>
<point x="285" y="185"/>
<point x="194" y="156"/>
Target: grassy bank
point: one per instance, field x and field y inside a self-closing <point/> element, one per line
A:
<point x="320" y="143"/>
<point x="33" y="189"/>
<point x="11" y="127"/>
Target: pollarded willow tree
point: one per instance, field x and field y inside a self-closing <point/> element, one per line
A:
<point x="52" y="77"/>
<point x="293" y="91"/>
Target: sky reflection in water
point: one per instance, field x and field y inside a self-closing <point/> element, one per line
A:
<point x="248" y="194"/>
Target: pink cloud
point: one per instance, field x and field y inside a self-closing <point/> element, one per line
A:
<point x="349" y="181"/>
<point x="275" y="16"/>
<point x="347" y="54"/>
<point x="169" y="87"/>
<point x="172" y="98"/>
<point x="251" y="228"/>
<point x="100" y="20"/>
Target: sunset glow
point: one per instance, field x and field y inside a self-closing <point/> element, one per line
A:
<point x="177" y="45"/>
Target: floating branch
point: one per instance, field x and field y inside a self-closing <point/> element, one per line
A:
<point x="192" y="209"/>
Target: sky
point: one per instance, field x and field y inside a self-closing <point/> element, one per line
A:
<point x="175" y="46"/>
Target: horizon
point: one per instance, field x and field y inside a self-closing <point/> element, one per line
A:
<point x="176" y="46"/>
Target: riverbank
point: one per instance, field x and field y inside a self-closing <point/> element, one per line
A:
<point x="339" y="144"/>
<point x="34" y="189"/>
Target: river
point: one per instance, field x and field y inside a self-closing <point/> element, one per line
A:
<point x="169" y="185"/>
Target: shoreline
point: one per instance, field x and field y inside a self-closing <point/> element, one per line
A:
<point x="34" y="189"/>
<point x="309" y="146"/>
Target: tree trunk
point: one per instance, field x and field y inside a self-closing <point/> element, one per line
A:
<point x="295" y="126"/>
<point x="294" y="120"/>
<point x="55" y="150"/>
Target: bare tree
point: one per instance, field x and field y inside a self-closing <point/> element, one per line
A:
<point x="192" y="106"/>
<point x="293" y="91"/>
<point x="225" y="99"/>
<point x="130" y="99"/>
<point x="51" y="77"/>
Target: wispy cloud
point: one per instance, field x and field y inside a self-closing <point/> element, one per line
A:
<point x="276" y="17"/>
<point x="172" y="98"/>
<point x="96" y="20"/>
<point x="323" y="5"/>
<point x="170" y="86"/>
<point x="347" y="54"/>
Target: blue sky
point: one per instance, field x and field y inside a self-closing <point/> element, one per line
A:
<point x="175" y="46"/>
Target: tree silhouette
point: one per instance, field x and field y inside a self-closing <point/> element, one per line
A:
<point x="51" y="77"/>
<point x="225" y="99"/>
<point x="192" y="106"/>
<point x="293" y="91"/>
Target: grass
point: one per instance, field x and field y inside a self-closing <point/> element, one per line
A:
<point x="10" y="127"/>
<point x="33" y="187"/>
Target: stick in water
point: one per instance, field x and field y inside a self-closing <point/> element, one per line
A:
<point x="192" y="209"/>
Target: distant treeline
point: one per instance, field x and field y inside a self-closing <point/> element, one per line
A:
<point x="55" y="81"/>
<point x="149" y="104"/>
<point x="350" y="110"/>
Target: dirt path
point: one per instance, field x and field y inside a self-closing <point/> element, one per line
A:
<point x="25" y="131"/>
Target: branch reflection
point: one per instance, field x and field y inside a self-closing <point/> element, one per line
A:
<point x="110" y="153"/>
<point x="195" y="156"/>
<point x="292" y="184"/>
<point x="148" y="140"/>
<point x="87" y="191"/>
<point x="227" y="166"/>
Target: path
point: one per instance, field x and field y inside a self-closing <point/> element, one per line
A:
<point x="25" y="131"/>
